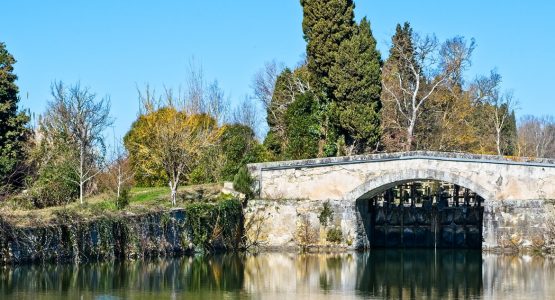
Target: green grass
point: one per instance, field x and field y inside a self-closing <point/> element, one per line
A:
<point x="142" y="199"/>
<point x="143" y="194"/>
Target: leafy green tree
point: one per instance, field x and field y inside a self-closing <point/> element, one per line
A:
<point x="326" y="24"/>
<point x="356" y="80"/>
<point x="303" y="127"/>
<point x="239" y="147"/>
<point x="13" y="126"/>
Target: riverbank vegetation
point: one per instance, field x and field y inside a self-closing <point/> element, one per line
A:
<point x="344" y="98"/>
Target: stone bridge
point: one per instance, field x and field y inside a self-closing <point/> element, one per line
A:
<point x="519" y="194"/>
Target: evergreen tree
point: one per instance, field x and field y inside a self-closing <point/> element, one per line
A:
<point x="326" y="23"/>
<point x="509" y="135"/>
<point x="356" y="80"/>
<point x="302" y="127"/>
<point x="402" y="46"/>
<point x="13" y="130"/>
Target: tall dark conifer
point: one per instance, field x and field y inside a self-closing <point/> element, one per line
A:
<point x="356" y="80"/>
<point x="326" y="24"/>
<point x="13" y="130"/>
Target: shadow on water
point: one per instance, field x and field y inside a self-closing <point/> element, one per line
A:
<point x="443" y="274"/>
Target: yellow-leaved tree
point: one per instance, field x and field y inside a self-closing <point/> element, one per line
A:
<point x="167" y="139"/>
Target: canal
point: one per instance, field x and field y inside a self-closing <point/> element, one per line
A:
<point x="376" y="274"/>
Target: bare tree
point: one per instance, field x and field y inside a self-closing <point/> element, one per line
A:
<point x="201" y="97"/>
<point x="76" y="112"/>
<point x="419" y="72"/>
<point x="486" y="91"/>
<point x="119" y="168"/>
<point x="195" y="94"/>
<point x="275" y="99"/>
<point x="246" y="113"/>
<point x="536" y="136"/>
<point x="216" y="104"/>
<point x="264" y="82"/>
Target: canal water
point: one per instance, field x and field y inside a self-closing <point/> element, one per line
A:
<point x="377" y="274"/>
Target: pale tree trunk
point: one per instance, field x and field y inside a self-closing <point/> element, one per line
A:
<point x="119" y="182"/>
<point x="410" y="133"/>
<point x="81" y="172"/>
<point x="173" y="187"/>
<point x="498" y="141"/>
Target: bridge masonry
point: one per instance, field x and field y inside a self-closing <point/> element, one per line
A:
<point x="519" y="196"/>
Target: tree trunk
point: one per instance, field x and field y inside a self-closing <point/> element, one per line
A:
<point x="498" y="141"/>
<point x="173" y="188"/>
<point x="81" y="171"/>
<point x="410" y="137"/>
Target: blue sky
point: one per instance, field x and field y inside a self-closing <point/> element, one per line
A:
<point x="115" y="46"/>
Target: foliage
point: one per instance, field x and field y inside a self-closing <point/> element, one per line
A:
<point x="288" y="86"/>
<point x="53" y="180"/>
<point x="356" y="80"/>
<point x="330" y="105"/>
<point x="124" y="198"/>
<point x="326" y="214"/>
<point x="302" y="127"/>
<point x="13" y="127"/>
<point x="209" y="222"/>
<point x="242" y="182"/>
<point x="76" y="115"/>
<point x="239" y="147"/>
<point x="56" y="184"/>
<point x="334" y="235"/>
<point x="326" y="24"/>
<point x="170" y="141"/>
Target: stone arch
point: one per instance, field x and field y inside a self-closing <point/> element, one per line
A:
<point x="382" y="182"/>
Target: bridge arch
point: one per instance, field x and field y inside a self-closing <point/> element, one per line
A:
<point x="377" y="184"/>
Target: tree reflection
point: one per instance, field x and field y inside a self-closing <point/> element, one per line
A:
<point x="388" y="273"/>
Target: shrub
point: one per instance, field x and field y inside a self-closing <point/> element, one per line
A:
<point x="209" y="222"/>
<point x="55" y="185"/>
<point x="334" y="235"/>
<point x="326" y="214"/>
<point x="123" y="199"/>
<point x="242" y="182"/>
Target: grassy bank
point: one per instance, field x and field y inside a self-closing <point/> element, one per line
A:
<point x="141" y="200"/>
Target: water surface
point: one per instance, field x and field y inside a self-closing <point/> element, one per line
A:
<point x="407" y="274"/>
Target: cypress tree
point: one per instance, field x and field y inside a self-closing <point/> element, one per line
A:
<point x="356" y="81"/>
<point x="326" y="23"/>
<point x="13" y="130"/>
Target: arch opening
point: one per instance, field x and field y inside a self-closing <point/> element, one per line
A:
<point x="421" y="213"/>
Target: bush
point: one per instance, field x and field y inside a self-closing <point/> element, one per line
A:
<point x="209" y="222"/>
<point x="55" y="185"/>
<point x="326" y="214"/>
<point x="123" y="199"/>
<point x="242" y="182"/>
<point x="334" y="235"/>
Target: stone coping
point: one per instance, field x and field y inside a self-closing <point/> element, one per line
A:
<point x="380" y="157"/>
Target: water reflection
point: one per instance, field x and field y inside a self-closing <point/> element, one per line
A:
<point x="446" y="274"/>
